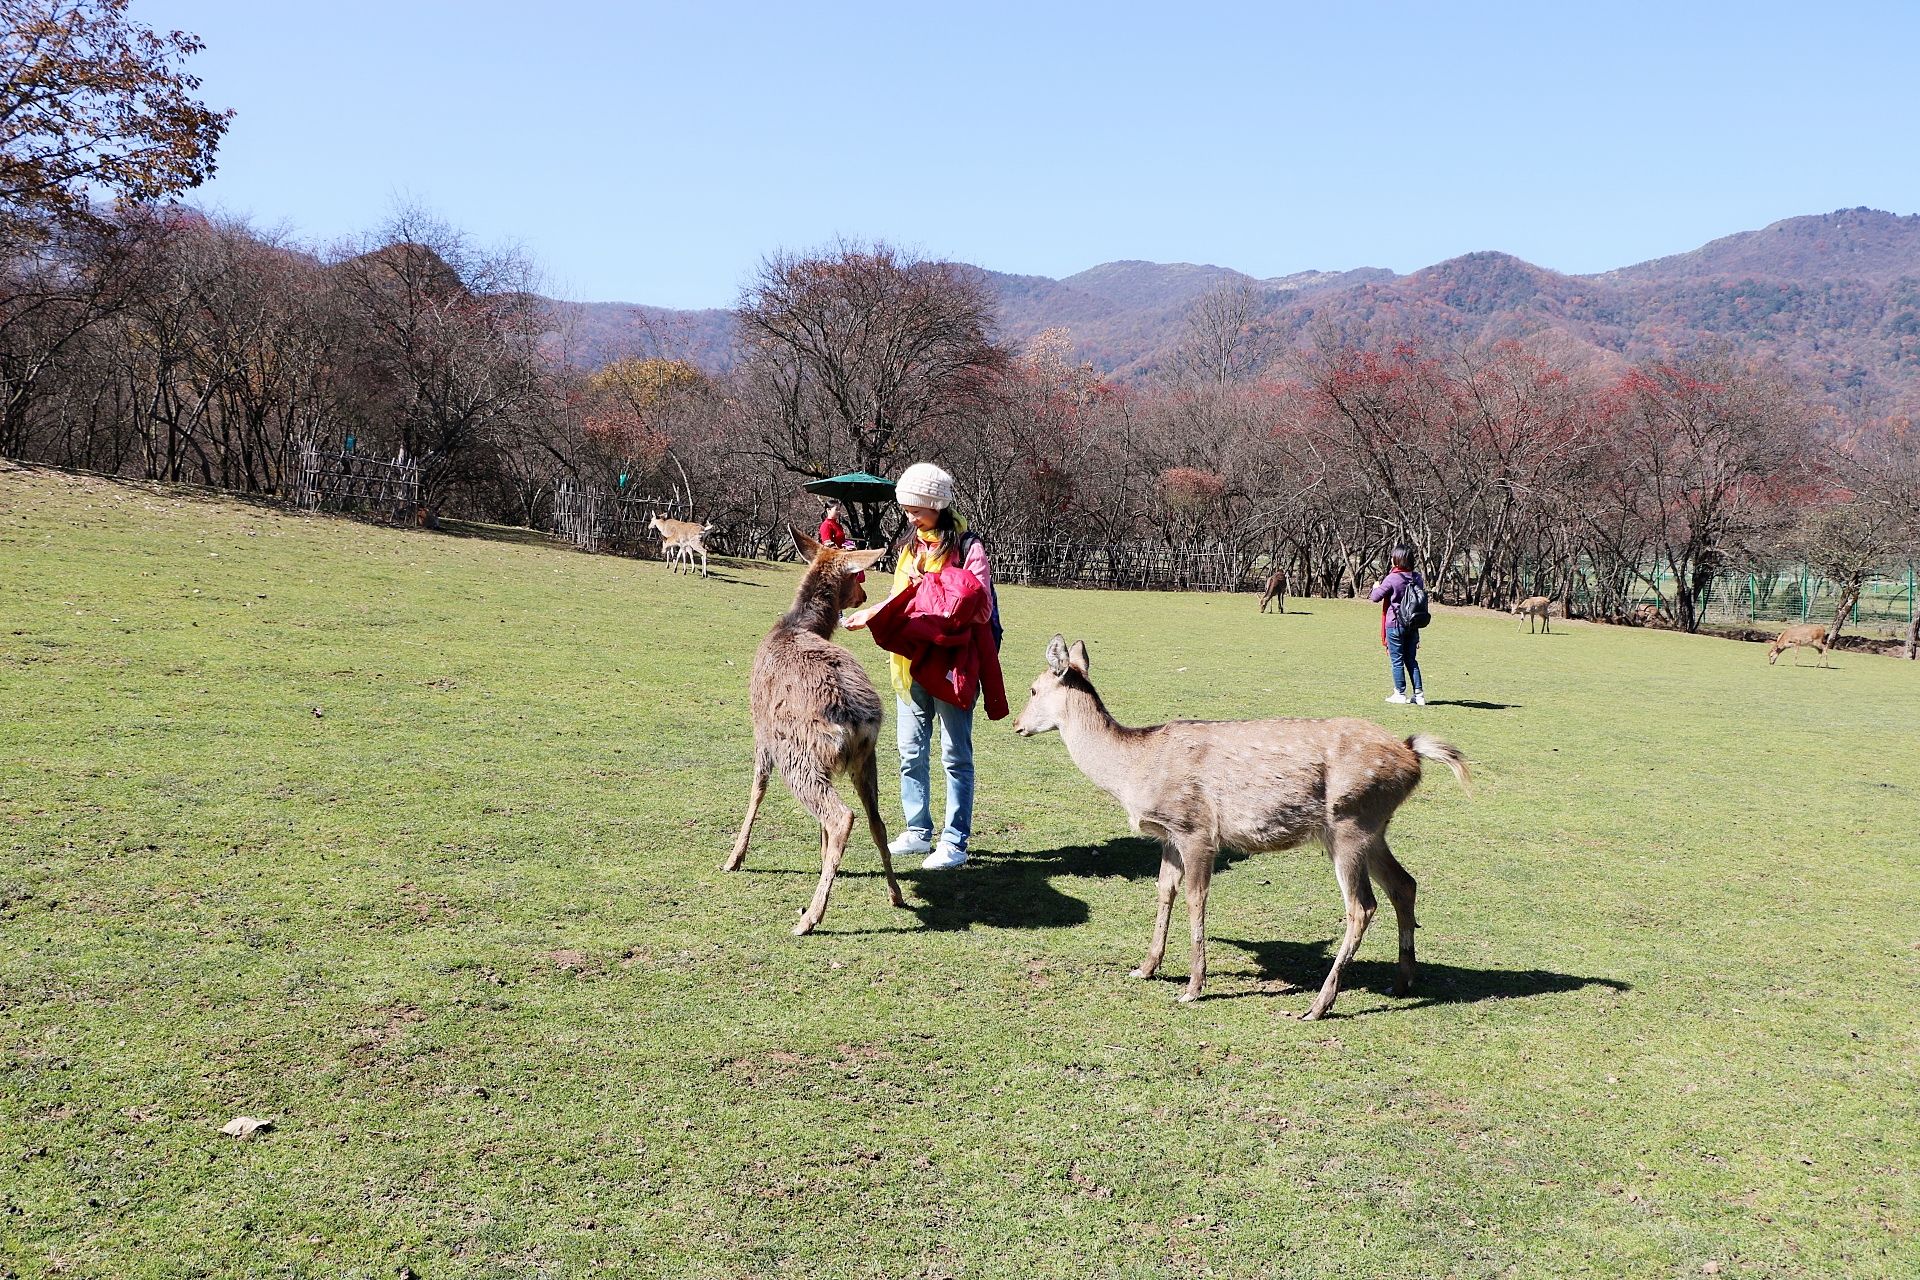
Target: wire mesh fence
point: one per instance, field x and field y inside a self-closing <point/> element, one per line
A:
<point x="1130" y="566"/>
<point x="1791" y="593"/>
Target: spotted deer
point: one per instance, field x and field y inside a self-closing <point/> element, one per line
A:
<point x="1276" y="590"/>
<point x="816" y="715"/>
<point x="1536" y="607"/>
<point x="1812" y="635"/>
<point x="680" y="541"/>
<point x="1251" y="785"/>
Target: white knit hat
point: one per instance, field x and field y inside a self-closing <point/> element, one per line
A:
<point x="924" y="485"/>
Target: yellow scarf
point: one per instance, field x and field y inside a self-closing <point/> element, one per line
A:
<point x="920" y="545"/>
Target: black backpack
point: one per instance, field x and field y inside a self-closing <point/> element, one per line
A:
<point x="1412" y="609"/>
<point x="993" y="592"/>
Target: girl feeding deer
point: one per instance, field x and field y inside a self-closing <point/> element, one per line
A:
<point x="941" y="625"/>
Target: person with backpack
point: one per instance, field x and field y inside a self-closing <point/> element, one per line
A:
<point x="1402" y="596"/>
<point x="960" y="611"/>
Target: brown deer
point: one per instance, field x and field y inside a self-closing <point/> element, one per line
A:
<point x="680" y="541"/>
<point x="816" y="715"/>
<point x="1812" y="635"/>
<point x="1251" y="785"/>
<point x="1276" y="590"/>
<point x="1536" y="607"/>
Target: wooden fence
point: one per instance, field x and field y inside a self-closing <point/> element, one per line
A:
<point x="344" y="481"/>
<point x="595" y="518"/>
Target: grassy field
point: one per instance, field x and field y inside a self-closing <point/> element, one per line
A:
<point x="410" y="843"/>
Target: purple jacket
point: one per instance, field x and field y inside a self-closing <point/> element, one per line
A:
<point x="1389" y="591"/>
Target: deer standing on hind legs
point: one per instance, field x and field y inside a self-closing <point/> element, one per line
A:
<point x="1251" y="785"/>
<point x="816" y="715"/>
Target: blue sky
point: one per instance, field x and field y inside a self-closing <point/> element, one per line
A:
<point x="653" y="152"/>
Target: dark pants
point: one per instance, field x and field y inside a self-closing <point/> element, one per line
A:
<point x="1403" y="651"/>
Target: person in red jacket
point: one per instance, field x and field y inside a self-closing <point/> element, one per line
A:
<point x="833" y="526"/>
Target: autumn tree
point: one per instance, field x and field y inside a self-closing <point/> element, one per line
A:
<point x="93" y="101"/>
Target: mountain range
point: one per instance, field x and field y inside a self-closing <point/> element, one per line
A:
<point x="1835" y="297"/>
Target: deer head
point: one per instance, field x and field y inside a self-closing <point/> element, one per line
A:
<point x="1046" y="702"/>
<point x="834" y="572"/>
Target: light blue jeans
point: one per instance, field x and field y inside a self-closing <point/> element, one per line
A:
<point x="1403" y="655"/>
<point x="914" y="726"/>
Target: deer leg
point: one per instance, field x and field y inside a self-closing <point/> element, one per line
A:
<point x="866" y="781"/>
<point x="762" y="768"/>
<point x="1199" y="863"/>
<point x="1169" y="884"/>
<point x="1351" y="847"/>
<point x="1399" y="886"/>
<point x="835" y="827"/>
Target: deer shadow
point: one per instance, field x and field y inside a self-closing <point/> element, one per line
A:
<point x="1016" y="890"/>
<point x="1473" y="704"/>
<point x="1302" y="966"/>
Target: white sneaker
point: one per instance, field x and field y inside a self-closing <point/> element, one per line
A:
<point x="945" y="858"/>
<point x="1396" y="697"/>
<point x="907" y="843"/>
<point x="1419" y="697"/>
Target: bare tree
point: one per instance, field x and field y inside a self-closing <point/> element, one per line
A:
<point x="858" y="353"/>
<point x="448" y="344"/>
<point x="1225" y="339"/>
<point x="1713" y="447"/>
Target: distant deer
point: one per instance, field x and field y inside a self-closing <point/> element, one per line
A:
<point x="1276" y="590"/>
<point x="1535" y="607"/>
<point x="1650" y="615"/>
<point x="1812" y="635"/>
<point x="1251" y="785"/>
<point x="681" y="540"/>
<point x="816" y="715"/>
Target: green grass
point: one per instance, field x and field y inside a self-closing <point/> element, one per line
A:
<point x="462" y="936"/>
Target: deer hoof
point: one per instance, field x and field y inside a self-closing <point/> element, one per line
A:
<point x="1141" y="972"/>
<point x="1188" y="997"/>
<point x="804" y="928"/>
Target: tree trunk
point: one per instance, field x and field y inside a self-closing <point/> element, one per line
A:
<point x="1847" y="599"/>
<point x="1912" y="651"/>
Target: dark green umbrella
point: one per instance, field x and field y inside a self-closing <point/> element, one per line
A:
<point x="855" y="486"/>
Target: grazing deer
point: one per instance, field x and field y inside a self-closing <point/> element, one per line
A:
<point x="1276" y="590"/>
<point x="681" y="540"/>
<point x="1251" y="785"/>
<point x="1535" y="607"/>
<point x="1812" y="635"/>
<point x="816" y="715"/>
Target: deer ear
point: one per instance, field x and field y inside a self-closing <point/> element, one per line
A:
<point x="1077" y="656"/>
<point x="806" y="546"/>
<point x="861" y="561"/>
<point x="1057" y="655"/>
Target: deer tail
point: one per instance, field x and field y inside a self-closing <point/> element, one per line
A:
<point x="1446" y="753"/>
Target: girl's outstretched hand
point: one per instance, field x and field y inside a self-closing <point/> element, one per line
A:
<point x="855" y="621"/>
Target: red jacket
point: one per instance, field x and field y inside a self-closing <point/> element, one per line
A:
<point x="941" y="626"/>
